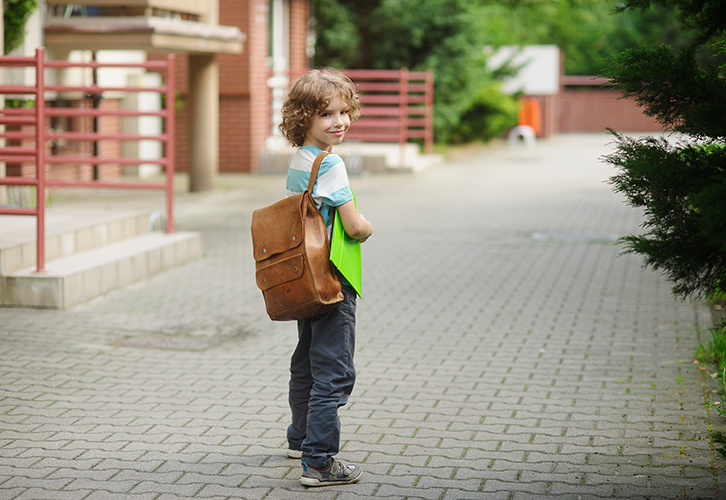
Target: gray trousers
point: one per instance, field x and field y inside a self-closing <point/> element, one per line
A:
<point x="322" y="376"/>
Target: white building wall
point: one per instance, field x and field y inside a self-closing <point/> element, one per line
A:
<point x="540" y="68"/>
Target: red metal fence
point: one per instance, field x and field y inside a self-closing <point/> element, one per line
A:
<point x="41" y="156"/>
<point x="398" y="105"/>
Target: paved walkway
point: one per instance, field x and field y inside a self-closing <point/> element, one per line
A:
<point x="504" y="351"/>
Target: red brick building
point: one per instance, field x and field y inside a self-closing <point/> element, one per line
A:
<point x="235" y="101"/>
<point x="226" y="51"/>
<point x="555" y="103"/>
<point x="245" y="102"/>
<point x="586" y="105"/>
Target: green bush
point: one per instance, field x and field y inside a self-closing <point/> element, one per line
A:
<point x="20" y="103"/>
<point x="712" y="355"/>
<point x="713" y="352"/>
<point x="490" y="115"/>
<point x="445" y="36"/>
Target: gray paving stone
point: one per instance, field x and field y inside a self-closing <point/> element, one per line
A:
<point x="535" y="488"/>
<point x="52" y="494"/>
<point x="170" y="496"/>
<point x="159" y="485"/>
<point x="253" y="493"/>
<point x="39" y="451"/>
<point x="9" y="462"/>
<point x="415" y="492"/>
<point x="27" y="479"/>
<point x="83" y="474"/>
<point x="94" y="453"/>
<point x="108" y="495"/>
<point x="10" y="493"/>
<point x="504" y="350"/>
<point x="29" y="473"/>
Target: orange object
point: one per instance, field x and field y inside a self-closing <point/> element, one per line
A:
<point x="530" y="114"/>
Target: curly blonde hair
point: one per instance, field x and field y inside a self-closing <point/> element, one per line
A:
<point x="310" y="96"/>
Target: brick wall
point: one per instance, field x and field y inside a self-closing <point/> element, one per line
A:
<point x="243" y="93"/>
<point x="259" y="98"/>
<point x="181" y="113"/>
<point x="299" y="26"/>
<point x="586" y="109"/>
<point x="109" y="148"/>
<point x="244" y="98"/>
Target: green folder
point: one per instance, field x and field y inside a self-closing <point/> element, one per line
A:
<point x="345" y="253"/>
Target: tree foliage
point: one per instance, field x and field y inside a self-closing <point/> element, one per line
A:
<point x="337" y="35"/>
<point x="582" y="29"/>
<point x="15" y="15"/>
<point x="672" y="87"/>
<point x="448" y="36"/>
<point x="707" y="18"/>
<point x="682" y="185"/>
<point x="442" y="35"/>
<point x="587" y="32"/>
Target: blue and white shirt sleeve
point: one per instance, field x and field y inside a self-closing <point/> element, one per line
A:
<point x="332" y="187"/>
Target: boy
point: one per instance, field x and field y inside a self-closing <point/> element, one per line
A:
<point x="315" y="117"/>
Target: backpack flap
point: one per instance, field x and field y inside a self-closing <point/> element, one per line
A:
<point x="280" y="272"/>
<point x="277" y="228"/>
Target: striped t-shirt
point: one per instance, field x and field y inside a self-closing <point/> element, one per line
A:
<point x="332" y="187"/>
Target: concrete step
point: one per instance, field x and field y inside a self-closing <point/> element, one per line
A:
<point x="68" y="231"/>
<point x="74" y="279"/>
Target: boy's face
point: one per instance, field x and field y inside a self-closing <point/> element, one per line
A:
<point x="328" y="128"/>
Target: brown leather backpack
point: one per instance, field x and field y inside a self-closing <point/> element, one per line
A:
<point x="292" y="257"/>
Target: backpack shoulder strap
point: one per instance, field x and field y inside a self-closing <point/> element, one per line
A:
<point x="314" y="172"/>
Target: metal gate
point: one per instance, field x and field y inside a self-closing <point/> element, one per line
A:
<point x="41" y="156"/>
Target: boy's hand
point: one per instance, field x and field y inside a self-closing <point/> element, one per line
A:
<point x="363" y="240"/>
<point x="355" y="225"/>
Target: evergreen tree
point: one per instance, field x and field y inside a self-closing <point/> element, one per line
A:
<point x="680" y="181"/>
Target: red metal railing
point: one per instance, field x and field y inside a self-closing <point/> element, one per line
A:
<point x="398" y="105"/>
<point x="36" y="117"/>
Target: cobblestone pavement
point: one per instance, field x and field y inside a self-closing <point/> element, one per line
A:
<point x="505" y="351"/>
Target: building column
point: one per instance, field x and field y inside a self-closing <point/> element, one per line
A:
<point x="203" y="122"/>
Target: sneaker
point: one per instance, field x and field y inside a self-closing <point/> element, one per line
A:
<point x="294" y="453"/>
<point x="336" y="473"/>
